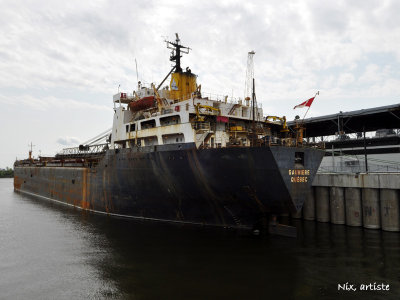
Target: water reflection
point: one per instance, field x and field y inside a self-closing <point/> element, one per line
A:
<point x="47" y="252"/>
<point x="120" y="258"/>
<point x="340" y="254"/>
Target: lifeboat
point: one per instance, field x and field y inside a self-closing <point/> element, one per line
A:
<point x="142" y="103"/>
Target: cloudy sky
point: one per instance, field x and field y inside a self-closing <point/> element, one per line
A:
<point x="61" y="61"/>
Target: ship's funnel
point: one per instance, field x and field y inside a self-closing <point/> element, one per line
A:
<point x="182" y="85"/>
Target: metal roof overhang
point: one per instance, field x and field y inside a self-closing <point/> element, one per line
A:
<point x="372" y="119"/>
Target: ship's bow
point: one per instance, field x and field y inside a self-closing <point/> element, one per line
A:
<point x="297" y="167"/>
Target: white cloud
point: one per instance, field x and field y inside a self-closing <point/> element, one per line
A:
<point x="345" y="79"/>
<point x="68" y="141"/>
<point x="371" y="74"/>
<point x="51" y="103"/>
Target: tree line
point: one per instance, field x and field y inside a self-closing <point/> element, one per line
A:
<point x="6" y="173"/>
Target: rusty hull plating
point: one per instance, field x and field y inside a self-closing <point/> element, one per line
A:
<point x="231" y="187"/>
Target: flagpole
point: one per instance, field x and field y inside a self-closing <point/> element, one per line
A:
<point x="317" y="93"/>
<point x="306" y="112"/>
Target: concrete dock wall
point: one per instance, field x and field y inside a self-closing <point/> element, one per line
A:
<point x="368" y="200"/>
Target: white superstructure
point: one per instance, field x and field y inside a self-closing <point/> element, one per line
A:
<point x="179" y="114"/>
<point x="207" y="123"/>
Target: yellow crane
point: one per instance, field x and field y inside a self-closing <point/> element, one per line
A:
<point x="281" y="119"/>
<point x="161" y="102"/>
<point x="207" y="108"/>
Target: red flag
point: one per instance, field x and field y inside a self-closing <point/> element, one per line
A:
<point x="305" y="103"/>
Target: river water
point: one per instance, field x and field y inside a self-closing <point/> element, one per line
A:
<point x="50" y="251"/>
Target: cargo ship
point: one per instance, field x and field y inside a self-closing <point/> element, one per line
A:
<point x="174" y="155"/>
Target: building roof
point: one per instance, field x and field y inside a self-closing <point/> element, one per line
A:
<point x="372" y="119"/>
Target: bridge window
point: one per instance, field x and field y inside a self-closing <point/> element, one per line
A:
<point x="148" y="124"/>
<point x="171" y="120"/>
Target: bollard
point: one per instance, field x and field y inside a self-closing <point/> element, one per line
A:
<point x="371" y="209"/>
<point x="336" y="196"/>
<point x="322" y="203"/>
<point x="353" y="206"/>
<point x="389" y="209"/>
<point x="309" y="206"/>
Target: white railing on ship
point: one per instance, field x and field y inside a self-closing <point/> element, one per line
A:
<point x="219" y="97"/>
<point x="84" y="149"/>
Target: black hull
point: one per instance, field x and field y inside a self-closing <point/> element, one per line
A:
<point x="231" y="187"/>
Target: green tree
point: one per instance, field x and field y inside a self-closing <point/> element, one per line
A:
<point x="6" y="173"/>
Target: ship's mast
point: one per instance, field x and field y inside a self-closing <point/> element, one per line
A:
<point x="177" y="49"/>
<point x="30" y="151"/>
<point x="253" y="105"/>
